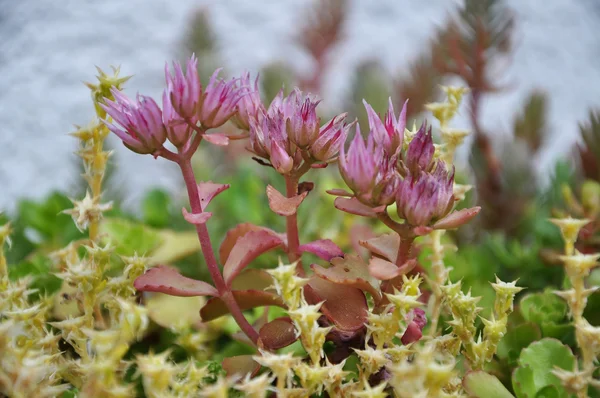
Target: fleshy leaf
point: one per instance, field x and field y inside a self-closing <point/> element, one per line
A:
<point x="541" y="358"/>
<point x="216" y="139"/>
<point x="281" y="205"/>
<point x="353" y="206"/>
<point x="239" y="231"/>
<point x="483" y="385"/>
<point x="385" y="246"/>
<point x="246" y="249"/>
<point x="350" y="271"/>
<point x="240" y="365"/>
<point x="261" y="321"/>
<point x="339" y="192"/>
<point x="323" y="248"/>
<point x="174" y="246"/>
<point x="345" y="306"/>
<point x="168" y="280"/>
<point x="457" y="218"/>
<point x="171" y="311"/>
<point x="277" y="334"/>
<point x="195" y="218"/>
<point x="543" y="307"/>
<point x="384" y="270"/>
<point x="251" y="289"/>
<point x="515" y="340"/>
<point x="208" y="190"/>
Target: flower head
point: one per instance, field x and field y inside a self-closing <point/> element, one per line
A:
<point x="178" y="130"/>
<point x="141" y="126"/>
<point x="390" y="133"/>
<point x="219" y="101"/>
<point x="425" y="197"/>
<point x="268" y="139"/>
<point x="419" y="155"/>
<point x="331" y="138"/>
<point x="367" y="171"/>
<point x="184" y="91"/>
<point x="300" y="112"/>
<point x="249" y="104"/>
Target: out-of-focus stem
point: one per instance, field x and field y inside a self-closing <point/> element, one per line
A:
<point x="208" y="253"/>
<point x="291" y="190"/>
<point x="440" y="276"/>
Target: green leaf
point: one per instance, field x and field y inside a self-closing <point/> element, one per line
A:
<point x="548" y="392"/>
<point x="130" y="237"/>
<point x="483" y="385"/>
<point x="536" y="364"/>
<point x="543" y="307"/>
<point x="515" y="340"/>
<point x="156" y="208"/>
<point x="39" y="268"/>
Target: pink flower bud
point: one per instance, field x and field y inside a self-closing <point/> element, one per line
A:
<point x="138" y="124"/>
<point x="249" y="104"/>
<point x="390" y="133"/>
<point x="219" y="101"/>
<point x="424" y="198"/>
<point x="414" y="331"/>
<point x="368" y="172"/>
<point x="281" y="161"/>
<point x="178" y="130"/>
<point x="184" y="91"/>
<point x="301" y="118"/>
<point x="420" y="151"/>
<point x="331" y="138"/>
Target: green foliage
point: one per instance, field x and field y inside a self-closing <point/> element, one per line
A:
<point x="549" y="312"/>
<point x="483" y="385"/>
<point x="533" y="377"/>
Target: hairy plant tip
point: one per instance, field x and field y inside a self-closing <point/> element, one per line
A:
<point x="569" y="228"/>
<point x="312" y="377"/>
<point x="157" y="371"/>
<point x="87" y="211"/>
<point x="281" y="365"/>
<point x="505" y="295"/>
<point x="102" y="89"/>
<point x="287" y="284"/>
<point x="371" y="392"/>
<point x="255" y="387"/>
<point x="312" y="336"/>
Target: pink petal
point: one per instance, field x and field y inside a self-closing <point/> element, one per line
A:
<point x="353" y="206"/>
<point x="349" y="271"/>
<point x="216" y="139"/>
<point x="339" y="192"/>
<point x="168" y="280"/>
<point x="238" y="232"/>
<point x="282" y="205"/>
<point x="246" y="249"/>
<point x="323" y="248"/>
<point x="457" y="218"/>
<point x="208" y="190"/>
<point x="195" y="218"/>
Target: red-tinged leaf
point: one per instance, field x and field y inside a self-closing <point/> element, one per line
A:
<point x="277" y="334"/>
<point x="350" y="271"/>
<point x="319" y="165"/>
<point x="281" y="205"/>
<point x="385" y="270"/>
<point x="457" y="218"/>
<point x="217" y="139"/>
<point x="353" y="206"/>
<point x="168" y="280"/>
<point x="345" y="306"/>
<point x="358" y="233"/>
<point x="208" y="190"/>
<point x="246" y="299"/>
<point x="199" y="218"/>
<point x="385" y="246"/>
<point x="251" y="288"/>
<point x="339" y="192"/>
<point x="239" y="231"/>
<point x="240" y="366"/>
<point x="323" y="248"/>
<point x="422" y="230"/>
<point x="246" y="249"/>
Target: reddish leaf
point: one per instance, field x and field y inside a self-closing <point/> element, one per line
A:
<point x="168" y="280"/>
<point x="198" y="218"/>
<point x="239" y="231"/>
<point x="422" y="230"/>
<point x="323" y="248"/>
<point x="216" y="139"/>
<point x="240" y="365"/>
<point x="208" y="190"/>
<point x="252" y="288"/>
<point x="277" y="334"/>
<point x="339" y="192"/>
<point x="246" y="249"/>
<point x="385" y="270"/>
<point x="358" y="233"/>
<point x="282" y="205"/>
<point x="353" y="206"/>
<point x="457" y="218"/>
<point x="350" y="271"/>
<point x="345" y="306"/>
<point x="385" y="246"/>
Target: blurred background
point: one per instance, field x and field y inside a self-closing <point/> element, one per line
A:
<point x="523" y="60"/>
